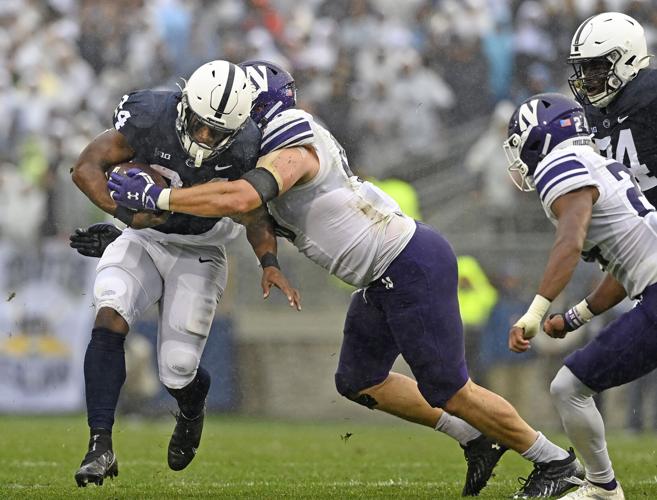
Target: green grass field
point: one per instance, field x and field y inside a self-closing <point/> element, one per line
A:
<point x="246" y="458"/>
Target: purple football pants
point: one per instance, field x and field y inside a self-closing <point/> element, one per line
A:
<point x="411" y="310"/>
<point x="623" y="351"/>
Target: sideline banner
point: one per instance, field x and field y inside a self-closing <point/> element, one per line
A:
<point x="45" y="318"/>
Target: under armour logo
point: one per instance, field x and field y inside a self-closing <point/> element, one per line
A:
<point x="132" y="196"/>
<point x="495" y="446"/>
<point x="387" y="282"/>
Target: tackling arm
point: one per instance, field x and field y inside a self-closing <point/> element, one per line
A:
<point x="288" y="167"/>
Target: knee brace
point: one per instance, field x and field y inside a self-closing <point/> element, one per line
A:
<point x="345" y="389"/>
<point x="178" y="364"/>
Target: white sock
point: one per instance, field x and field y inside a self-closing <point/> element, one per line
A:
<point x="583" y="423"/>
<point x="456" y="428"/>
<point x="543" y="450"/>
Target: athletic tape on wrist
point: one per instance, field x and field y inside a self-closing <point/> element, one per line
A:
<point x="163" y="199"/>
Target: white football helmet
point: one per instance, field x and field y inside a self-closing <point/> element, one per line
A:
<point x="215" y="105"/>
<point x="607" y="52"/>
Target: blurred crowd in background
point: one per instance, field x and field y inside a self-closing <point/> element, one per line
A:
<point x="417" y="90"/>
<point x="395" y="81"/>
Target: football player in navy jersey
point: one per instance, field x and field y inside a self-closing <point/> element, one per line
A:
<point x="201" y="133"/>
<point x="406" y="303"/>
<point x="599" y="214"/>
<point x="619" y="92"/>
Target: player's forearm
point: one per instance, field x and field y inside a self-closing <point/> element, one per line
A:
<point x="214" y="199"/>
<point x="559" y="270"/>
<point x="606" y="295"/>
<point x="90" y="179"/>
<point x="260" y="232"/>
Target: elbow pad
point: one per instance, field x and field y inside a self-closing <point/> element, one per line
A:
<point x="264" y="182"/>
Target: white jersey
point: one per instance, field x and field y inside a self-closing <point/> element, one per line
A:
<point x="622" y="235"/>
<point x="346" y="225"/>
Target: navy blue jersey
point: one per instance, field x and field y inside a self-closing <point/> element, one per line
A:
<point x="147" y="119"/>
<point x="626" y="130"/>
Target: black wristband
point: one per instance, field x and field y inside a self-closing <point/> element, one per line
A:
<point x="269" y="260"/>
<point x="124" y="214"/>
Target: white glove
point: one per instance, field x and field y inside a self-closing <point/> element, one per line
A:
<point x="532" y="320"/>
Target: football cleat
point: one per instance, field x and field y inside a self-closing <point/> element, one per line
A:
<point x="552" y="478"/>
<point x="481" y="455"/>
<point x="592" y="491"/>
<point x="99" y="462"/>
<point x="185" y="440"/>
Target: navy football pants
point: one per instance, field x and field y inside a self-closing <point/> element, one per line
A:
<point x="411" y="310"/>
<point x="623" y="351"/>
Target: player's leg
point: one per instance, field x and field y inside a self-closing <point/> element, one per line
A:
<point x="192" y="288"/>
<point x="367" y="354"/>
<point x="623" y="351"/>
<point x="423" y="314"/>
<point x="126" y="284"/>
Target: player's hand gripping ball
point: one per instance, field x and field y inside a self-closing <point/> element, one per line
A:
<point x="136" y="186"/>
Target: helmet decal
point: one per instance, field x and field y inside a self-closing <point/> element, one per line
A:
<point x="528" y="115"/>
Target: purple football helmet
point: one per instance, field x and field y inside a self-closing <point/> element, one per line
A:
<point x="274" y="87"/>
<point x="538" y="126"/>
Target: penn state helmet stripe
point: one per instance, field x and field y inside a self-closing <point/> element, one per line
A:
<point x="227" y="90"/>
<point x="578" y="33"/>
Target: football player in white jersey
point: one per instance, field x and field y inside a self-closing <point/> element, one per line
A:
<point x="407" y="302"/>
<point x="194" y="135"/>
<point x="599" y="214"/>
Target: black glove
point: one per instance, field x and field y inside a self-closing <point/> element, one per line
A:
<point x="93" y="241"/>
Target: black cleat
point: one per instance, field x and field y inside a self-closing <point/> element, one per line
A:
<point x="185" y="440"/>
<point x="481" y="455"/>
<point x="552" y="478"/>
<point x="99" y="462"/>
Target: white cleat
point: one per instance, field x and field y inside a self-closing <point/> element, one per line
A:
<point x="591" y="491"/>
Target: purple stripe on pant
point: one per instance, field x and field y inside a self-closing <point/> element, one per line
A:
<point x="411" y="310"/>
<point x="623" y="351"/>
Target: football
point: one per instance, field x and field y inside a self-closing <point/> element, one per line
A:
<point x="157" y="177"/>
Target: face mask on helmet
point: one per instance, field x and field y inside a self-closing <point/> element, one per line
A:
<point x="541" y="124"/>
<point x="607" y="52"/>
<point x="274" y="90"/>
<point x="214" y="107"/>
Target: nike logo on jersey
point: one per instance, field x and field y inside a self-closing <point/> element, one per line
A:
<point x="621" y="119"/>
<point x="203" y="261"/>
<point x="217" y="167"/>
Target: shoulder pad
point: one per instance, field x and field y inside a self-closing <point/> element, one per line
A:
<point x="561" y="173"/>
<point x="290" y="128"/>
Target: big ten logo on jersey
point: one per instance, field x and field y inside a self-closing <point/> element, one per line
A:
<point x="121" y="115"/>
<point x="258" y="77"/>
<point x="172" y="176"/>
